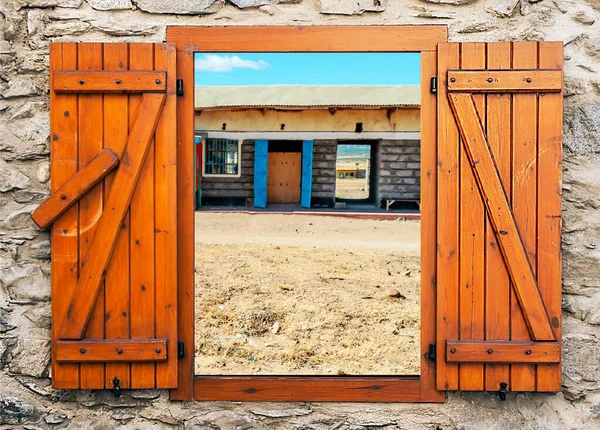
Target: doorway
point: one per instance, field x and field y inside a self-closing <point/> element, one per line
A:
<point x="356" y="173"/>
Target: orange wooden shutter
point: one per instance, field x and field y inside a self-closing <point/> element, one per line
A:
<point x="114" y="297"/>
<point x="499" y="216"/>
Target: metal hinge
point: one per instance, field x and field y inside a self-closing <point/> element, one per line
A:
<point x="180" y="349"/>
<point x="179" y="87"/>
<point x="430" y="355"/>
<point x="433" y="85"/>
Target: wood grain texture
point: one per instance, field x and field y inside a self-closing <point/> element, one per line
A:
<point x="185" y="227"/>
<point x="72" y="190"/>
<point x="428" y="285"/>
<point x="448" y="198"/>
<point x="549" y="215"/>
<point x="372" y="38"/>
<point x="497" y="283"/>
<point x="166" y="227"/>
<point x="117" y="312"/>
<point x="500" y="215"/>
<point x="524" y="199"/>
<point x="111" y="350"/>
<point x="141" y="235"/>
<point x="472" y="238"/>
<point x="109" y="81"/>
<point x="284" y="177"/>
<point x="63" y="157"/>
<point x="91" y="141"/>
<point x="302" y="389"/>
<point x="505" y="81"/>
<point x="119" y="197"/>
<point x="502" y="352"/>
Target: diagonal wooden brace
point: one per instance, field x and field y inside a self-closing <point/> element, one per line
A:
<point x="500" y="215"/>
<point x="125" y="180"/>
<point x="75" y="188"/>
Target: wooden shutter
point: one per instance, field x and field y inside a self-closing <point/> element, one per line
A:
<point x="113" y="165"/>
<point x="499" y="216"/>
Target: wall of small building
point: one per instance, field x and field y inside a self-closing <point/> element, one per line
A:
<point x="399" y="170"/>
<point x="323" y="175"/>
<point x="309" y="120"/>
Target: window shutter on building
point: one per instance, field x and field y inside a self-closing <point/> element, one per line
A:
<point x="499" y="216"/>
<point x="113" y="203"/>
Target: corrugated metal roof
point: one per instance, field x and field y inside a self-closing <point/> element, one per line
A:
<point x="307" y="96"/>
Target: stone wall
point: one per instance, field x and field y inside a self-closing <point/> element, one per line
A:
<point x="26" y="28"/>
<point x="399" y="170"/>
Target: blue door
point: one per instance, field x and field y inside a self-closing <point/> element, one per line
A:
<point x="261" y="155"/>
<point x="307" y="160"/>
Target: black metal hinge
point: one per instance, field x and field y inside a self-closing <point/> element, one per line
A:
<point x="433" y="84"/>
<point x="180" y="349"/>
<point x="430" y="355"/>
<point x="179" y="87"/>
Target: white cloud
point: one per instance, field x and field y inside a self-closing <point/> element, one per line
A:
<point x="218" y="63"/>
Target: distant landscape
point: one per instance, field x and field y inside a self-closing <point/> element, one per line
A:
<point x="353" y="153"/>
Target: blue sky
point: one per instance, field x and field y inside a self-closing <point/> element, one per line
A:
<point x="307" y="69"/>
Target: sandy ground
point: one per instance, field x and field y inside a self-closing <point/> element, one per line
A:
<point x="351" y="188"/>
<point x="297" y="294"/>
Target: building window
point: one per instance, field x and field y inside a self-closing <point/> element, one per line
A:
<point x="221" y="157"/>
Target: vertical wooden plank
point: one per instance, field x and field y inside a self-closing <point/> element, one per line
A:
<point x="261" y="152"/>
<point x="307" y="158"/>
<point x="549" y="207"/>
<point x="166" y="203"/>
<point x="524" y="198"/>
<point x="185" y="226"/>
<point x="141" y="235"/>
<point x="498" y="291"/>
<point x="448" y="226"/>
<point x="427" y="382"/>
<point x="90" y="205"/>
<point x="472" y="240"/>
<point x="63" y="154"/>
<point x="116" y="130"/>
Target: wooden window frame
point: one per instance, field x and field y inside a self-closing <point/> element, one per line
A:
<point x="421" y="39"/>
<point x="221" y="175"/>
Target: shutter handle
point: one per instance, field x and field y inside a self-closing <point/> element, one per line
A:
<point x="116" y="387"/>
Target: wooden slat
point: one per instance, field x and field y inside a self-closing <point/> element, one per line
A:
<point x="98" y="81"/>
<point x="117" y="302"/>
<point x="72" y="190"/>
<point x="427" y="390"/>
<point x="91" y="140"/>
<point x="501" y="216"/>
<point x="297" y="389"/>
<point x="513" y="81"/>
<point x="448" y="222"/>
<point x="141" y="240"/>
<point x="63" y="154"/>
<point x="472" y="241"/>
<point x="524" y="199"/>
<point x="167" y="201"/>
<point x="185" y="228"/>
<point x="372" y="38"/>
<point x="117" y="203"/>
<point x="503" y="352"/>
<point x="110" y="350"/>
<point x="497" y="283"/>
<point x="549" y="208"/>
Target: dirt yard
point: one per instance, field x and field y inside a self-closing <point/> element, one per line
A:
<point x="296" y="294"/>
<point x="351" y="188"/>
